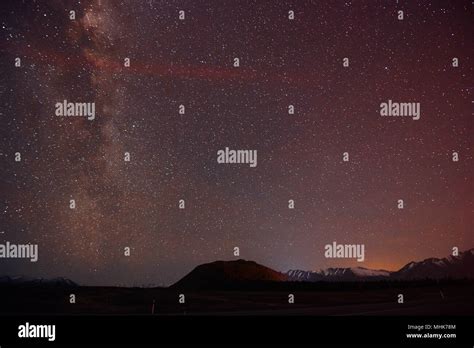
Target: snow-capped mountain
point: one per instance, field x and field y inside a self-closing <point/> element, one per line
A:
<point x="461" y="266"/>
<point x="338" y="274"/>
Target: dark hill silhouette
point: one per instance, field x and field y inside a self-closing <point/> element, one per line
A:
<point x="226" y="274"/>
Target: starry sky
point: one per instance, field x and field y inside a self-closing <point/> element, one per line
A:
<point x="173" y="156"/>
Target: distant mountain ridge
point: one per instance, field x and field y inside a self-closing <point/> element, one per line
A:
<point x="21" y="280"/>
<point x="338" y="274"/>
<point x="461" y="266"/>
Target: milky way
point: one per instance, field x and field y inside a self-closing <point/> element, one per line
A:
<point x="173" y="156"/>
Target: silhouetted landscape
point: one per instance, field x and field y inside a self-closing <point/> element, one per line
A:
<point x="429" y="287"/>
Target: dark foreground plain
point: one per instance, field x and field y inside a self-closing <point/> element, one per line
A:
<point x="341" y="299"/>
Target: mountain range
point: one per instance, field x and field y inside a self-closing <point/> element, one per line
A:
<point x="226" y="274"/>
<point x="461" y="266"/>
<point x="338" y="274"/>
<point x="16" y="280"/>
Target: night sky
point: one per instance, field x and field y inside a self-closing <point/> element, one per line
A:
<point x="173" y="156"/>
